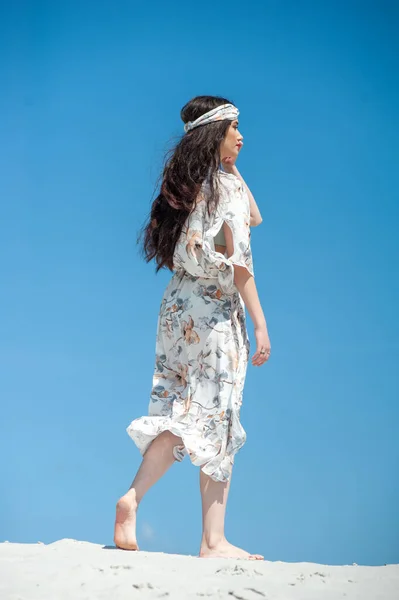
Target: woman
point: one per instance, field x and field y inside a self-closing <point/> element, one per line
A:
<point x="199" y="228"/>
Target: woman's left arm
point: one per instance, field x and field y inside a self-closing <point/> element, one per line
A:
<point x="256" y="217"/>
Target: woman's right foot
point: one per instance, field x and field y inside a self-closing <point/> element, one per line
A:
<point x="125" y="522"/>
<point x="225" y="550"/>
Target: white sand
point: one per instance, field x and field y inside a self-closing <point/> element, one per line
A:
<point x="69" y="569"/>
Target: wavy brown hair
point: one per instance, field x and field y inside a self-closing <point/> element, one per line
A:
<point x="194" y="158"/>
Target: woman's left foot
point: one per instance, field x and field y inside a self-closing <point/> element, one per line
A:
<point x="225" y="550"/>
<point x="125" y="522"/>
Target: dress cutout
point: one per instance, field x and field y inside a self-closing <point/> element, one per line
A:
<point x="219" y="238"/>
<point x="202" y="345"/>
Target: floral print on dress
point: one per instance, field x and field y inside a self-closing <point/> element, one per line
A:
<point x="202" y="344"/>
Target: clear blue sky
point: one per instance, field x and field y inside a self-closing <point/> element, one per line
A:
<point x="90" y="100"/>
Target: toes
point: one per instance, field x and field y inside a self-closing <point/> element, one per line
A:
<point x="256" y="557"/>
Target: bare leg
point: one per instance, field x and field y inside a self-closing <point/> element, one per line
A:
<point x="156" y="461"/>
<point x="214" y="499"/>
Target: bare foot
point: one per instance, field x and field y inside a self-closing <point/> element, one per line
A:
<point x="125" y="522"/>
<point x="225" y="550"/>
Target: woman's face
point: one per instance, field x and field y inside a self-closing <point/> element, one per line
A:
<point x="231" y="145"/>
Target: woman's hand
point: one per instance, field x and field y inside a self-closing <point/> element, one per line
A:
<point x="263" y="347"/>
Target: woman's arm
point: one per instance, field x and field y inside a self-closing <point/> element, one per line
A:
<point x="256" y="217"/>
<point x="245" y="283"/>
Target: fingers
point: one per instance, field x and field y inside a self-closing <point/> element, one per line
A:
<point x="259" y="358"/>
<point x="259" y="362"/>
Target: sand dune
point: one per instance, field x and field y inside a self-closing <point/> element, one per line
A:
<point x="69" y="569"/>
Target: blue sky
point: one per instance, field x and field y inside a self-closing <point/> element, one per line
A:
<point x="90" y="101"/>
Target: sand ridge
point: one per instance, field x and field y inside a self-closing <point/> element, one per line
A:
<point x="78" y="570"/>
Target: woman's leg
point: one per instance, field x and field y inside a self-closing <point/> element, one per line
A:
<point x="214" y="499"/>
<point x="156" y="461"/>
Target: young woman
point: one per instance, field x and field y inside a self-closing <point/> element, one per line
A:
<point x="199" y="228"/>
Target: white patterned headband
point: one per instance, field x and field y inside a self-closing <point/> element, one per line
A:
<point x="220" y="113"/>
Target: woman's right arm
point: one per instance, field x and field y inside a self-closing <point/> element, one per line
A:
<point x="245" y="283"/>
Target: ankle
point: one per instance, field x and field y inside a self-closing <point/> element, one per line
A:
<point x="131" y="498"/>
<point x="212" y="540"/>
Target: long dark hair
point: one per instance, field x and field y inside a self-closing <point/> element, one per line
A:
<point x="194" y="158"/>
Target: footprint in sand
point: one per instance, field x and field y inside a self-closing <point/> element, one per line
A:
<point x="237" y="570"/>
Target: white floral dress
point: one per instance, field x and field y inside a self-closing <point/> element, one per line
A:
<point x="202" y="345"/>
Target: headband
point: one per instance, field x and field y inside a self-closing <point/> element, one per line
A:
<point x="220" y="113"/>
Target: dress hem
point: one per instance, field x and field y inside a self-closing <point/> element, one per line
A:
<point x="219" y="471"/>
